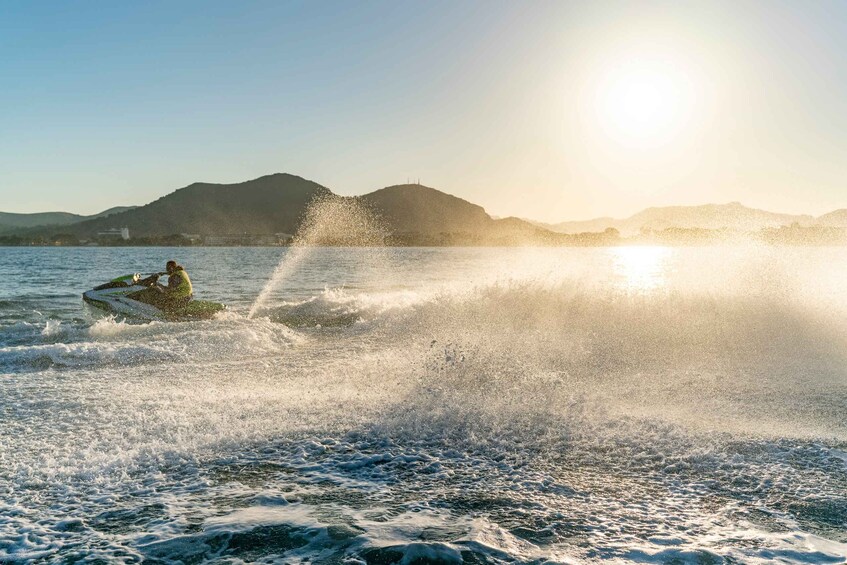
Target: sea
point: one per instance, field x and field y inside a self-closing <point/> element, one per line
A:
<point x="429" y="406"/>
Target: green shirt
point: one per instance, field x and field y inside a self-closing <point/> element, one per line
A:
<point x="184" y="288"/>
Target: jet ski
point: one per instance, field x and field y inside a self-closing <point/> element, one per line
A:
<point x="123" y="297"/>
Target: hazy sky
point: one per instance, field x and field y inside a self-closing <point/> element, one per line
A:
<point x="550" y="110"/>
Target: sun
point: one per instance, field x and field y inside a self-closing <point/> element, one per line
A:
<point x="642" y="103"/>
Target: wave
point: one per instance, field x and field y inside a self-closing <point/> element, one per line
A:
<point x="109" y="343"/>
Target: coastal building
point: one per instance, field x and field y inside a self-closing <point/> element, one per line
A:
<point x="122" y="233"/>
<point x="194" y="238"/>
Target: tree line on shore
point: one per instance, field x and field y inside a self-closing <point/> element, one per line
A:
<point x="784" y="235"/>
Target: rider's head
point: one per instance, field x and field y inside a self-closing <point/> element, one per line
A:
<point x="170" y="267"/>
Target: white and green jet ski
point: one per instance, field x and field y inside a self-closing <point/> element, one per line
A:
<point x="120" y="296"/>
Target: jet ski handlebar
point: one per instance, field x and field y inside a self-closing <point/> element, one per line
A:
<point x="151" y="279"/>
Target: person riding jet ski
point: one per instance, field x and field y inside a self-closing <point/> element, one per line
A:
<point x="176" y="295"/>
<point x="136" y="298"/>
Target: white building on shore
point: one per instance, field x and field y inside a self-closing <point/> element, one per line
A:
<point x="122" y="233"/>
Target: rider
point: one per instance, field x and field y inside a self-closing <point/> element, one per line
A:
<point x="175" y="295"/>
<point x="179" y="290"/>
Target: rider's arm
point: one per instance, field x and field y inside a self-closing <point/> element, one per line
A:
<point x="174" y="281"/>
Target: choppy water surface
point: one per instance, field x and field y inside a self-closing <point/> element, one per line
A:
<point x="430" y="406"/>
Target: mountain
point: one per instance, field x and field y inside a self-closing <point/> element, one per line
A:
<point x="420" y="215"/>
<point x="732" y="216"/>
<point x="517" y="231"/>
<point x="10" y="222"/>
<point x="835" y="219"/>
<point x="412" y="213"/>
<point x="266" y="205"/>
<point x="417" y="208"/>
<point x="277" y="203"/>
<point x="580" y="226"/>
<point x="110" y="211"/>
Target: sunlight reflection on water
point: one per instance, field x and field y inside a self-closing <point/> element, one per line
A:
<point x="641" y="269"/>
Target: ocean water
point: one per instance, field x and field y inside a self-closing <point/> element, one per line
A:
<point x="638" y="405"/>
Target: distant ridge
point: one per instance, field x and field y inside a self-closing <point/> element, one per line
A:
<point x="412" y="213"/>
<point x="834" y="219"/>
<point x="269" y="204"/>
<point x="418" y="208"/>
<point x="732" y="216"/>
<point x="10" y="222"/>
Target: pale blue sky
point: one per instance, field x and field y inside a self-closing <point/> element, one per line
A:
<point x="522" y="107"/>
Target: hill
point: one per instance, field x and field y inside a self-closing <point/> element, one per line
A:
<point x="732" y="216"/>
<point x="835" y="219"/>
<point x="413" y="214"/>
<point x="10" y="222"/>
<point x="580" y="226"/>
<point x="417" y="208"/>
<point x="419" y="215"/>
<point x="266" y="205"/>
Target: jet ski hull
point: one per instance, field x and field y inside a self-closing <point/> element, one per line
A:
<point x="115" y="299"/>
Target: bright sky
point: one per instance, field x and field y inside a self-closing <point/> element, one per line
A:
<point x="550" y="110"/>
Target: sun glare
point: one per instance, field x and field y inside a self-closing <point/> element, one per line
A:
<point x="642" y="103"/>
<point x="640" y="269"/>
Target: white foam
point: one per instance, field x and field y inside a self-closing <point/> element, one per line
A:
<point x="518" y="417"/>
<point x="52" y="328"/>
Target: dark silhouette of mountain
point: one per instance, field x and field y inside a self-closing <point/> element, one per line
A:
<point x="515" y="231"/>
<point x="266" y="205"/>
<point x="10" y="222"/>
<point x="110" y="211"/>
<point x="732" y="216"/>
<point x="417" y="208"/>
<point x="413" y="215"/>
<point x="420" y="215"/>
<point x="277" y="203"/>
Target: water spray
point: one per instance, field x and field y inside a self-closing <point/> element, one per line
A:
<point x="329" y="221"/>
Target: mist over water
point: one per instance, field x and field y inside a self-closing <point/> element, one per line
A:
<point x="430" y="406"/>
